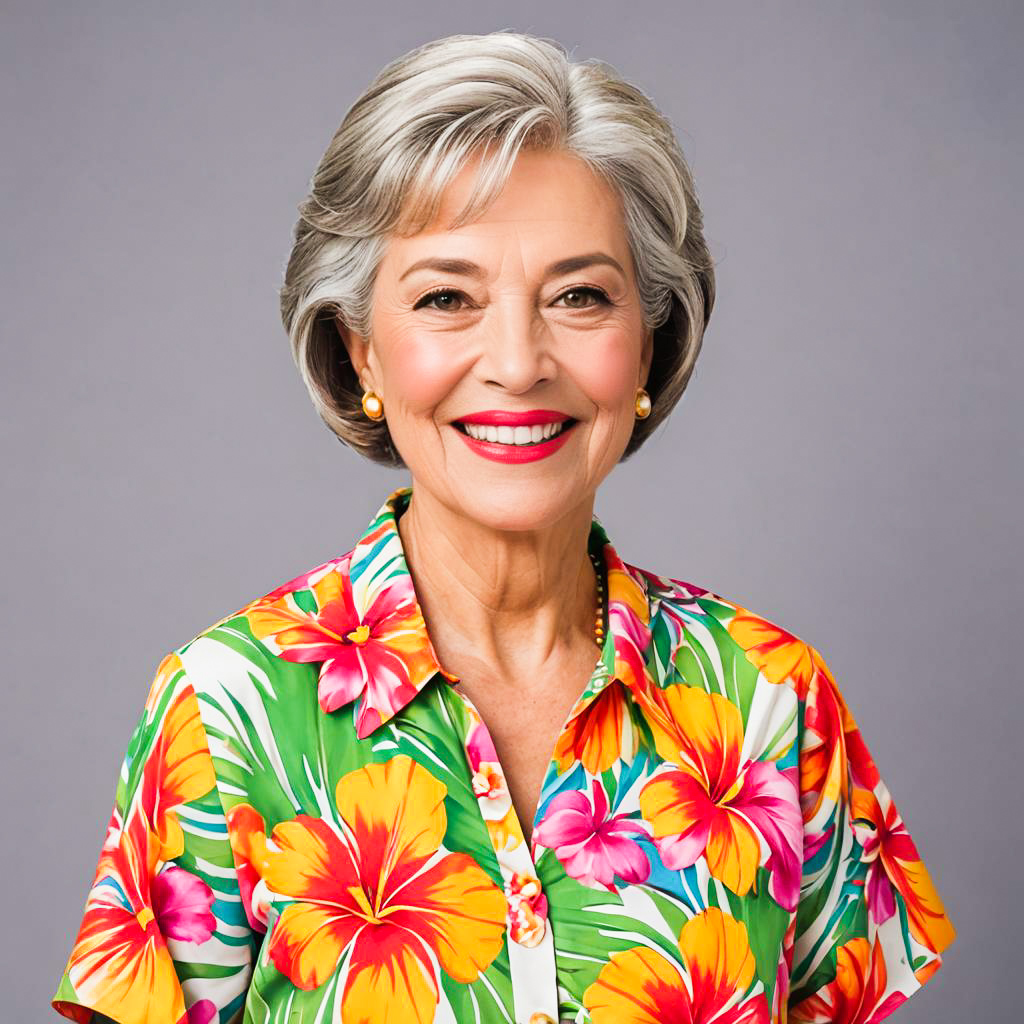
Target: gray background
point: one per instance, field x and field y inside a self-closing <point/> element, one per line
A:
<point x="846" y="460"/>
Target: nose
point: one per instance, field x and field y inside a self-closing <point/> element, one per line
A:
<point x="515" y="348"/>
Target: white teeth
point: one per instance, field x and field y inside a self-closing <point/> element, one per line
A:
<point x="514" y="435"/>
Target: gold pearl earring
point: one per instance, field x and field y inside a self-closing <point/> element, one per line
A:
<point x="642" y="404"/>
<point x="372" y="405"/>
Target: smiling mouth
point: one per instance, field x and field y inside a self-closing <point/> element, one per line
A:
<point x="522" y="437"/>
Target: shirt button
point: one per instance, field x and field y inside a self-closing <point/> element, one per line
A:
<point x="527" y="910"/>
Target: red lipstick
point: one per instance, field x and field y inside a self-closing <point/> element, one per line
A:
<point x="503" y="451"/>
<point x="505" y="418"/>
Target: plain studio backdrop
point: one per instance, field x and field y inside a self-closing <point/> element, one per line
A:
<point x="846" y="460"/>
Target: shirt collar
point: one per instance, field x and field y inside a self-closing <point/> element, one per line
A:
<point x="359" y="617"/>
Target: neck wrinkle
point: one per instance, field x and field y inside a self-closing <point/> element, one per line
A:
<point x="507" y="602"/>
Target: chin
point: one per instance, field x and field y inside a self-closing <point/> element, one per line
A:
<point x="519" y="505"/>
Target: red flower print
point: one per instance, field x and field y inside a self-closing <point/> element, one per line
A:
<point x="855" y="995"/>
<point x="381" y="653"/>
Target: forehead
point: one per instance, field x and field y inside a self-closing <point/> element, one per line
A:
<point x="552" y="205"/>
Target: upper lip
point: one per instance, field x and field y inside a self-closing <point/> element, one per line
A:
<point x="505" y="418"/>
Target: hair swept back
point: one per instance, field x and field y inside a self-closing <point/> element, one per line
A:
<point x="408" y="135"/>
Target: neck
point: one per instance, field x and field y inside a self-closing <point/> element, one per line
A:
<point x="502" y="601"/>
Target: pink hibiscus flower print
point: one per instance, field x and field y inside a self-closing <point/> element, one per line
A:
<point x="591" y="846"/>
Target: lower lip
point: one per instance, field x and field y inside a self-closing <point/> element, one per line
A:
<point x="516" y="452"/>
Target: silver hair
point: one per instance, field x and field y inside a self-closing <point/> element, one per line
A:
<point x="410" y="133"/>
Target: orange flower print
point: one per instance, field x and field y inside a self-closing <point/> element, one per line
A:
<point x="247" y="834"/>
<point x="862" y="765"/>
<point x="897" y="867"/>
<point x="716" y="803"/>
<point x="599" y="735"/>
<point x="383" y="891"/>
<point x="120" y="964"/>
<point x="824" y="776"/>
<point x="178" y="771"/>
<point x="628" y="620"/>
<point x="778" y="654"/>
<point x="600" y="730"/>
<point x="643" y="986"/>
<point x="381" y="652"/>
<point x="855" y="995"/>
<point x="170" y="665"/>
<point x="833" y="751"/>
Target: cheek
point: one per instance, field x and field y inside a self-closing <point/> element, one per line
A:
<point x="422" y="373"/>
<point x="607" y="371"/>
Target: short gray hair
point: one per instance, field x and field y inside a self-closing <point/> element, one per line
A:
<point x="406" y="138"/>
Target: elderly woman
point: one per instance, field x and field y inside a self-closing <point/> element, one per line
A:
<point x="479" y="768"/>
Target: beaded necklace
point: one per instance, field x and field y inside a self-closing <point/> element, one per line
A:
<point x="596" y="559"/>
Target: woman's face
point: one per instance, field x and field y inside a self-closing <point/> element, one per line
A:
<point x="482" y="322"/>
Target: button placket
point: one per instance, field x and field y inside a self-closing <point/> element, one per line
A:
<point x="531" y="947"/>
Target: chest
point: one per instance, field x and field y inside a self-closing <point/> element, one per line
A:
<point x="524" y="722"/>
<point x="392" y="832"/>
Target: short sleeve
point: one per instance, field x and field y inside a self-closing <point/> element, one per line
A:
<point x="870" y="926"/>
<point x="164" y="938"/>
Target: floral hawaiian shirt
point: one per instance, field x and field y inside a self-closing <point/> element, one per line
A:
<point x="311" y="824"/>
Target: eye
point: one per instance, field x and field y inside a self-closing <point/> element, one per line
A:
<point x="584" y="291"/>
<point x="439" y="293"/>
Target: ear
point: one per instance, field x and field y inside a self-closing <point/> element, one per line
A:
<point x="358" y="349"/>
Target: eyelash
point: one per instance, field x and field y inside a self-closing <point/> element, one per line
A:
<point x="597" y="293"/>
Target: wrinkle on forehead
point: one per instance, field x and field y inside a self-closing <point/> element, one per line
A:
<point x="553" y="206"/>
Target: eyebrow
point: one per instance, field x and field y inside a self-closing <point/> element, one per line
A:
<point x="467" y="268"/>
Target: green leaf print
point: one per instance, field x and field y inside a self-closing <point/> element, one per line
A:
<point x="766" y="924"/>
<point x="489" y="998"/>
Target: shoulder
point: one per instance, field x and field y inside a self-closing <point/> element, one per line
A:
<point x="698" y="614"/>
<point x="231" y="652"/>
